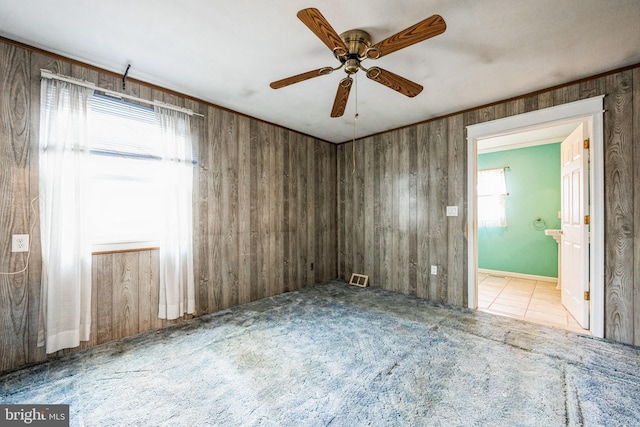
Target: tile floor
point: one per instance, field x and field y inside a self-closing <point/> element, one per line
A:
<point x="530" y="300"/>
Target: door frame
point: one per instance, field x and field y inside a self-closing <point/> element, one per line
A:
<point x="588" y="110"/>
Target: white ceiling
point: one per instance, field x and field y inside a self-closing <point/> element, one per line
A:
<point x="228" y="52"/>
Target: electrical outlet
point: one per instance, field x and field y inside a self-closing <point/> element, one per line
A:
<point x="434" y="270"/>
<point x="452" y="211"/>
<point x="19" y="243"/>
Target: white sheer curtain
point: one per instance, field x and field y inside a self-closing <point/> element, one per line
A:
<point x="65" y="318"/>
<point x="177" y="292"/>
<point x="492" y="198"/>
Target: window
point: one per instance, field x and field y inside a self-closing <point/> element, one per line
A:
<point x="114" y="173"/>
<point x="125" y="165"/>
<point x="492" y="198"/>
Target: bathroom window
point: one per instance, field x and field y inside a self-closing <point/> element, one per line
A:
<point x="492" y="198"/>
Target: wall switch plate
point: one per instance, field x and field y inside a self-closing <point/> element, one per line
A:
<point x="452" y="211"/>
<point x="434" y="270"/>
<point x="19" y="243"/>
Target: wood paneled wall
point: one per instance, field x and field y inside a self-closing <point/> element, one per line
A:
<point x="391" y="211"/>
<point x="269" y="203"/>
<point x="264" y="211"/>
<point x="391" y="222"/>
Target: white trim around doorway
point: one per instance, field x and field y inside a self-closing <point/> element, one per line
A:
<point x="589" y="110"/>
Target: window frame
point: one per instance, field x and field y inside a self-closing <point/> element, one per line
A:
<point x="499" y="195"/>
<point x="101" y="149"/>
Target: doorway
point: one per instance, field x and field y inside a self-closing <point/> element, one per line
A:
<point x="518" y="261"/>
<point x="587" y="111"/>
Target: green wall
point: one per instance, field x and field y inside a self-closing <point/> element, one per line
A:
<point x="533" y="184"/>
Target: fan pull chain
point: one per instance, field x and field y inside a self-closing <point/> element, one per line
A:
<point x="355" y="119"/>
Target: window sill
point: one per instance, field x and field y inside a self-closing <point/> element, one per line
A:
<point x="114" y="248"/>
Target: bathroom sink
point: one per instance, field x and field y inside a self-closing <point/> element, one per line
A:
<point x="556" y="234"/>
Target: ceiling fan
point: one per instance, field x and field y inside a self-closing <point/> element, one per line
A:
<point x="354" y="46"/>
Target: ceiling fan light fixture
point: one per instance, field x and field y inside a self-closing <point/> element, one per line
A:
<point x="354" y="46"/>
<point x="351" y="66"/>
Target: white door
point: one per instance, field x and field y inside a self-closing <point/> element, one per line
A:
<point x="575" y="228"/>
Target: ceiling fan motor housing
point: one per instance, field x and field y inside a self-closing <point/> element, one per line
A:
<point x="357" y="42"/>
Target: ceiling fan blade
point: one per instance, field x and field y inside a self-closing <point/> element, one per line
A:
<point x="317" y="23"/>
<point x="394" y="81"/>
<point x="301" y="77"/>
<point x="421" y="31"/>
<point x="340" y="103"/>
